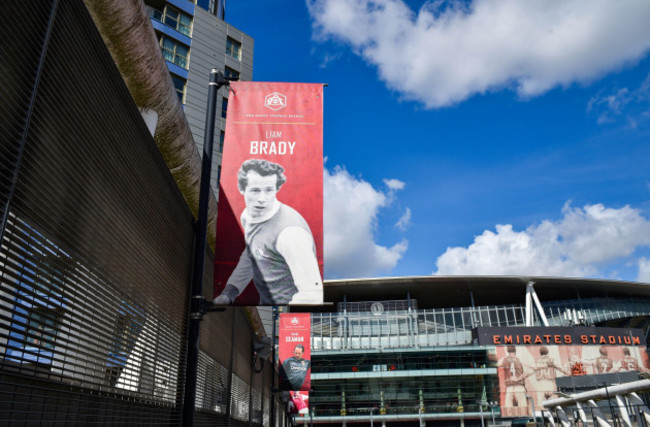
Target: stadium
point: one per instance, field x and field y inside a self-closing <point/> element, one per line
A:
<point x="480" y="350"/>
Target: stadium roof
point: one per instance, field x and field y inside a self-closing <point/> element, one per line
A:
<point x="458" y="291"/>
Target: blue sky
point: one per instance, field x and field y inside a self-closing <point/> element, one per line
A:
<point x="484" y="137"/>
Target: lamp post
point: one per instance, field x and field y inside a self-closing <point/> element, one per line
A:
<point x="611" y="410"/>
<point x="198" y="306"/>
<point x="532" y="406"/>
<point x="492" y="406"/>
<point x="480" y="408"/>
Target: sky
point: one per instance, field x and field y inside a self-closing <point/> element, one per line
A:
<point x="490" y="137"/>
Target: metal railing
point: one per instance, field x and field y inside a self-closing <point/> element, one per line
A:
<point x="453" y="326"/>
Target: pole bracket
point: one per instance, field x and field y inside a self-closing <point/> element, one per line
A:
<point x="201" y="306"/>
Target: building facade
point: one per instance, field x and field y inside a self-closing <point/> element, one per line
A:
<point x="194" y="39"/>
<point x="441" y="354"/>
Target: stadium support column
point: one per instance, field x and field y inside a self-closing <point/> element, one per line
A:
<point x="531" y="297"/>
<point x="529" y="307"/>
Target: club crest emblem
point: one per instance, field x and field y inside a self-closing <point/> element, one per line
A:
<point x="275" y="101"/>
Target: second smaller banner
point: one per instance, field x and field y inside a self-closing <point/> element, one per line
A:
<point x="294" y="351"/>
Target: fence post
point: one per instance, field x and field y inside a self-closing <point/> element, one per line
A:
<point x="28" y="118"/>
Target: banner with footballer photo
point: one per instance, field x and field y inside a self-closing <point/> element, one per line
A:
<point x="299" y="402"/>
<point x="533" y="370"/>
<point x="294" y="351"/>
<point x="269" y="246"/>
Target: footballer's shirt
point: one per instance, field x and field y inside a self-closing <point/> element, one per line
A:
<point x="544" y="369"/>
<point x="514" y="371"/>
<point x="604" y="364"/>
<point x="273" y="242"/>
<point x="294" y="372"/>
<point x="271" y="273"/>
<point x="630" y="363"/>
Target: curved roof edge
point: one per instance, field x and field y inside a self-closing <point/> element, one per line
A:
<point x="465" y="291"/>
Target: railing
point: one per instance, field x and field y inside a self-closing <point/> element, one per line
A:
<point x="453" y="326"/>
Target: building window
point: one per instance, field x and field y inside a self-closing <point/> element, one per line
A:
<point x="34" y="330"/>
<point x="127" y="327"/>
<point x="224" y="107"/>
<point x="179" y="85"/>
<point x="173" y="18"/>
<point x="233" y="48"/>
<point x="174" y="51"/>
<point x="230" y="73"/>
<point x="222" y="138"/>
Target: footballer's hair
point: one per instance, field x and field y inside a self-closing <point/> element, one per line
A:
<point x="262" y="167"/>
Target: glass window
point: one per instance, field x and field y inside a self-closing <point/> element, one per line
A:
<point x="501" y="315"/>
<point x="179" y="84"/>
<point x="233" y="48"/>
<point x="224" y="107"/>
<point x="155" y="13"/>
<point x="185" y="24"/>
<point x="230" y="73"/>
<point x="174" y="52"/>
<point x="222" y="137"/>
<point x="42" y="327"/>
<point x="34" y="333"/>
<point x="173" y="18"/>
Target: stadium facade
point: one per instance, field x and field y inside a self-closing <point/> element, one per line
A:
<point x="442" y="350"/>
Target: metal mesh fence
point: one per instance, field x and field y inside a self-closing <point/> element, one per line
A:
<point x="96" y="246"/>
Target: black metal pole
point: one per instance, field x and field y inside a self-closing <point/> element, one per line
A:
<point x="611" y="410"/>
<point x="197" y="302"/>
<point x="250" y="388"/>
<point x="231" y="367"/>
<point x="273" y="390"/>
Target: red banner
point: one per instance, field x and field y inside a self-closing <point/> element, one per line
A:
<point x="300" y="402"/>
<point x="294" y="351"/>
<point x="269" y="248"/>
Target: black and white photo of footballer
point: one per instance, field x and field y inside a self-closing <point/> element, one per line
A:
<point x="280" y="253"/>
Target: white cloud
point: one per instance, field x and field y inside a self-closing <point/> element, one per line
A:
<point x="623" y="102"/>
<point x="394" y="184"/>
<point x="609" y="106"/>
<point x="576" y="245"/>
<point x="644" y="270"/>
<point x="405" y="221"/>
<point x="451" y="50"/>
<point x="351" y="209"/>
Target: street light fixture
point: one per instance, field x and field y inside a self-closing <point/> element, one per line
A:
<point x="532" y="406"/>
<point x="493" y="406"/>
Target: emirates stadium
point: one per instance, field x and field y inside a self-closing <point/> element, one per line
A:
<point x="472" y="351"/>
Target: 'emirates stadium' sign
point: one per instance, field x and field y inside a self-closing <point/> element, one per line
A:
<point x="558" y="336"/>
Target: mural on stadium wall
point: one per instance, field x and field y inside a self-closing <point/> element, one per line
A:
<point x="531" y="371"/>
